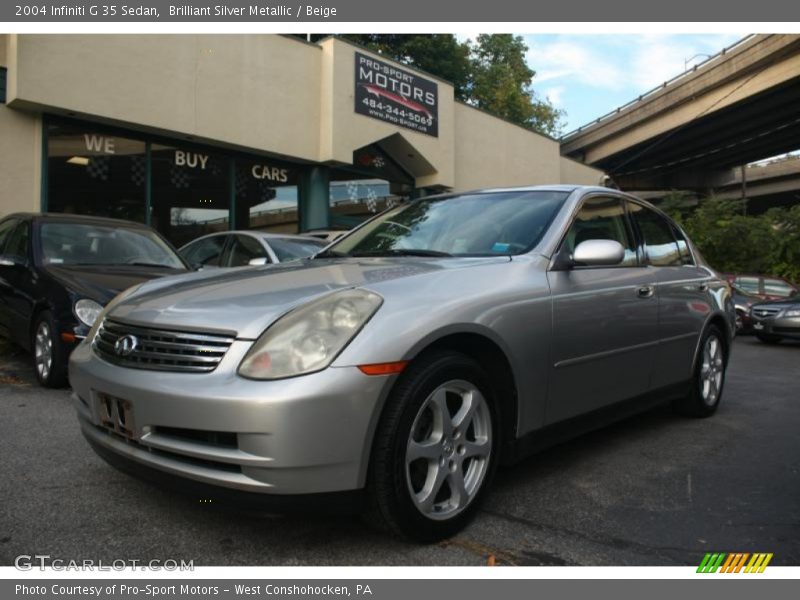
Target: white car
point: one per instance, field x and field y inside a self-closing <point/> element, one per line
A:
<point x="242" y="248"/>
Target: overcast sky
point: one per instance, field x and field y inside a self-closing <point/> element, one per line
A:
<point x="590" y="75"/>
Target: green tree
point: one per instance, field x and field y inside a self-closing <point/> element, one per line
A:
<point x="502" y="84"/>
<point x="733" y="242"/>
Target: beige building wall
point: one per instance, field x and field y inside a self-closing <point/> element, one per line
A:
<point x="576" y="172"/>
<point x="3" y="41"/>
<point x="20" y="167"/>
<point x="491" y="152"/>
<point x="245" y="91"/>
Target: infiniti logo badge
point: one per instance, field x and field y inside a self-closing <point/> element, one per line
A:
<point x="126" y="345"/>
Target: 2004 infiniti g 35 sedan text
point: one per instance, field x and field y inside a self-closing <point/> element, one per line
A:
<point x="439" y="339"/>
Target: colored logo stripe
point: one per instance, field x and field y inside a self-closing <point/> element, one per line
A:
<point x="734" y="562"/>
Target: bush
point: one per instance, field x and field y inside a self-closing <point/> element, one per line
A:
<point x="733" y="242"/>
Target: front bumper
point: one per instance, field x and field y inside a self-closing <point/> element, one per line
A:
<point x="304" y="435"/>
<point x="780" y="326"/>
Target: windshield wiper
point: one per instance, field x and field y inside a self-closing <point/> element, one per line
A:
<point x="401" y="252"/>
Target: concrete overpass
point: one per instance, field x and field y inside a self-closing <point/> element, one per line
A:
<point x="739" y="106"/>
<point x="765" y="185"/>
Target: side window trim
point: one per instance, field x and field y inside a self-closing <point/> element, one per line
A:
<point x="224" y="255"/>
<point x="4" y="242"/>
<point x="21" y="224"/>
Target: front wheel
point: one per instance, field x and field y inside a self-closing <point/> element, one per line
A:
<point x="435" y="448"/>
<point x="709" y="376"/>
<point x="49" y="357"/>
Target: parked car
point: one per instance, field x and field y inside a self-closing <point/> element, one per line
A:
<point x="776" y="320"/>
<point x="242" y="248"/>
<point x="743" y="301"/>
<point x="764" y="286"/>
<point x="412" y="357"/>
<point x="58" y="271"/>
<point x="328" y="235"/>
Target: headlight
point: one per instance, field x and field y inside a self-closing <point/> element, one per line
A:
<point x="99" y="319"/>
<point x="791" y="312"/>
<point x="87" y="311"/>
<point x="308" y="338"/>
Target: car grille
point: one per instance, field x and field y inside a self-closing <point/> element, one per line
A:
<point x="160" y="349"/>
<point x="766" y="312"/>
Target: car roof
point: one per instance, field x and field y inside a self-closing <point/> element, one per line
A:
<point x="72" y="218"/>
<point x="256" y="233"/>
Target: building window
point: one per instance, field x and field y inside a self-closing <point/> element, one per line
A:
<point x="190" y="192"/>
<point x="94" y="173"/>
<point x="3" y="79"/>
<point x="266" y="196"/>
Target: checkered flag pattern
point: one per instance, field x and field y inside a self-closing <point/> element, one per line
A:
<point x="138" y="170"/>
<point x="99" y="167"/>
<point x="179" y="177"/>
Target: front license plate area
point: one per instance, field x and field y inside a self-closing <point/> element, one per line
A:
<point x="116" y="415"/>
<point x="758" y="326"/>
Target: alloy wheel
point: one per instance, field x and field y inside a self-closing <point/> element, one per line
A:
<point x="43" y="350"/>
<point x="712" y="370"/>
<point x="448" y="449"/>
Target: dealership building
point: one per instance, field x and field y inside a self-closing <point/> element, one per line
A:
<point x="199" y="133"/>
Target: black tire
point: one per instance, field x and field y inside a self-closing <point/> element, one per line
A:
<point x="393" y="506"/>
<point x="54" y="375"/>
<point x="768" y="338"/>
<point x="699" y="402"/>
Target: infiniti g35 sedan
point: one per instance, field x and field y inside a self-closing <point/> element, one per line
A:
<point x="412" y="357"/>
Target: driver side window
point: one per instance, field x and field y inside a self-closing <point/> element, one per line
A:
<point x="603" y="219"/>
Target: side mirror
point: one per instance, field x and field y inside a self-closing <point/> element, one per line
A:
<point x="598" y="253"/>
<point x="258" y="262"/>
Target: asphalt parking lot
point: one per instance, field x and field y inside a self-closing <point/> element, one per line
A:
<point x="656" y="489"/>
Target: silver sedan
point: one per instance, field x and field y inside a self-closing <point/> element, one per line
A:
<point x="407" y="361"/>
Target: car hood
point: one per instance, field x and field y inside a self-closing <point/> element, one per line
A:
<point x="782" y="303"/>
<point x="102" y="282"/>
<point x="245" y="301"/>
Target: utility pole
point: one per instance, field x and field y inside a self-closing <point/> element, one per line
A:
<point x="744" y="188"/>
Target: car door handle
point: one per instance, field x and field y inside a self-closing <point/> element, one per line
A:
<point x="645" y="291"/>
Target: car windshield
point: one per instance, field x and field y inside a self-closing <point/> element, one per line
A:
<point x="478" y="224"/>
<point x="84" y="244"/>
<point x="291" y="249"/>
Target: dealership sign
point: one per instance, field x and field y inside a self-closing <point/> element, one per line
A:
<point x="396" y="96"/>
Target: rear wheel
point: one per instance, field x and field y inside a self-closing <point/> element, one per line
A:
<point x="768" y="338"/>
<point x="709" y="376"/>
<point x="49" y="357"/>
<point x="435" y="448"/>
